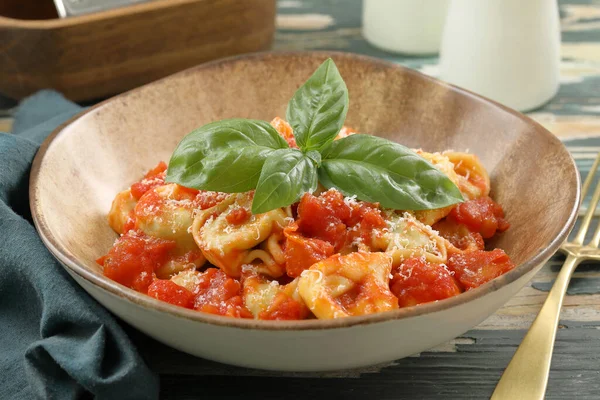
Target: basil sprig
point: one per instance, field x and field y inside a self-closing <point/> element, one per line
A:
<point x="318" y="109"/>
<point x="239" y="155"/>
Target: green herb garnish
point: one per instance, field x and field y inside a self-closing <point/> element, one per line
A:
<point x="238" y="155"/>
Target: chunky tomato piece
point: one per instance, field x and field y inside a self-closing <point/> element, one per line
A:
<point x="153" y="178"/>
<point x="416" y="281"/>
<point x="475" y="268"/>
<point x="284" y="307"/>
<point x="364" y="219"/>
<point x="171" y="292"/>
<point x="482" y="215"/>
<point x="238" y="216"/>
<point x="302" y="252"/>
<point x="216" y="293"/>
<point x="327" y="224"/>
<point x="459" y="235"/>
<point x="134" y="258"/>
<point x="334" y="219"/>
<point x="322" y="217"/>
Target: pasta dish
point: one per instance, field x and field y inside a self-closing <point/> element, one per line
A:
<point x="305" y="218"/>
<point x="326" y="256"/>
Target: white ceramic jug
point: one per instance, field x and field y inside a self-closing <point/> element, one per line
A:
<point x="404" y="26"/>
<point x="506" y="50"/>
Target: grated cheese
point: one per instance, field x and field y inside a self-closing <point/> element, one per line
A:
<point x="350" y="201"/>
<point x="248" y="268"/>
<point x="257" y="233"/>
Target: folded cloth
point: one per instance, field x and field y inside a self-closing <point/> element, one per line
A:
<point x="56" y="341"/>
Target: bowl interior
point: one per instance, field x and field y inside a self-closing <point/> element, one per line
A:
<point x="79" y="170"/>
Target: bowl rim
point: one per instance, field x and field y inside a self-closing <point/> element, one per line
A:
<point x="74" y="266"/>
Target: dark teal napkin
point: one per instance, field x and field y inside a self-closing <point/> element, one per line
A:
<point x="56" y="342"/>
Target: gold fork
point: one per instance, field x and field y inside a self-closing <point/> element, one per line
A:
<point x="526" y="376"/>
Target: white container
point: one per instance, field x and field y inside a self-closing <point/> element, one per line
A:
<point x="506" y="50"/>
<point x="404" y="26"/>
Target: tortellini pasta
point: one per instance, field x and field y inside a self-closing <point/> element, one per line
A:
<point x="264" y="298"/>
<point x="443" y="163"/>
<point x="473" y="179"/>
<point x="228" y="245"/>
<point x="406" y="237"/>
<point x="166" y="212"/>
<point x="345" y="285"/>
<point x="465" y="171"/>
<point x="121" y="211"/>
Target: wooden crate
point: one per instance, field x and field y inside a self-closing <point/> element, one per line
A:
<point x="94" y="56"/>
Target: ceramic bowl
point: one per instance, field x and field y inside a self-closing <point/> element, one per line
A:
<point x="86" y="161"/>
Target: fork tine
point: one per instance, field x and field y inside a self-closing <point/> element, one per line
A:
<point x="596" y="239"/>
<point x="585" y="223"/>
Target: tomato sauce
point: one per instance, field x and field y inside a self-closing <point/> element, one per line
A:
<point x="349" y="299"/>
<point x="416" y="281"/>
<point x="482" y="215"/>
<point x="238" y="216"/>
<point x="327" y="224"/>
<point x="369" y="218"/>
<point x="473" y="269"/>
<point x="322" y="217"/>
<point x="134" y="258"/>
<point x="331" y="218"/>
<point x="301" y="252"/>
<point x="217" y="293"/>
<point x="284" y="307"/>
<point x="366" y="296"/>
<point x="171" y="292"/>
<point x="459" y="235"/>
<point x="153" y="178"/>
<point x="150" y="204"/>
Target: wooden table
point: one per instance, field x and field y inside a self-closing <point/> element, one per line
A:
<point x="468" y="366"/>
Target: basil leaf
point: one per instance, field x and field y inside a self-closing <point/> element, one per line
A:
<point x="378" y="170"/>
<point x="225" y="156"/>
<point x="285" y="177"/>
<point x="318" y="109"/>
<point x="315" y="156"/>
